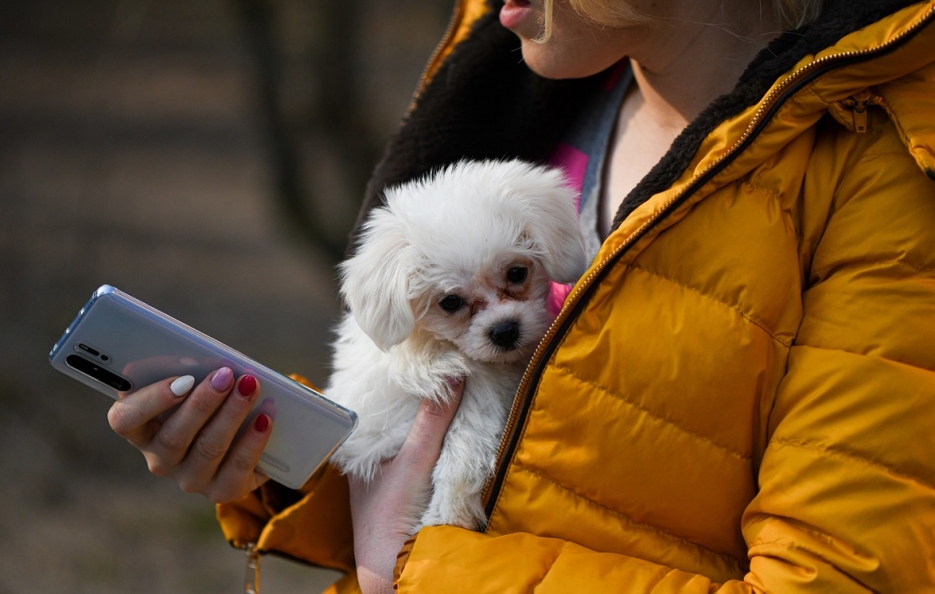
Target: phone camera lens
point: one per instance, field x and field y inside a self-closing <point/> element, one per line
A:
<point x="93" y="370"/>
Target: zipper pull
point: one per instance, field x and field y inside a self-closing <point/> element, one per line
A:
<point x="252" y="574"/>
<point x="858" y="104"/>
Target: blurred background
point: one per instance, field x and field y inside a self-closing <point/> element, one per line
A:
<point x="208" y="157"/>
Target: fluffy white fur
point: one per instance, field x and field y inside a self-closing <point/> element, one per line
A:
<point x="437" y="270"/>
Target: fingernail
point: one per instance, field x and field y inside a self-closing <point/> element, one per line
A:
<point x="222" y="379"/>
<point x="182" y="385"/>
<point x="261" y="424"/>
<point x="247" y="385"/>
<point x="454" y="382"/>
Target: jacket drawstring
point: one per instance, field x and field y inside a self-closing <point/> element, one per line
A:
<point x="252" y="573"/>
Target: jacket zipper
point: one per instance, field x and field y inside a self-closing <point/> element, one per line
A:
<point x="858" y="104"/>
<point x="431" y="67"/>
<point x="251" y="581"/>
<point x="774" y="99"/>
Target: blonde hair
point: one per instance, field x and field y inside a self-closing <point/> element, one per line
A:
<point x="610" y="13"/>
<point x="791" y="14"/>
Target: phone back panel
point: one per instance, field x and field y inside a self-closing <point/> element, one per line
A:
<point x="130" y="345"/>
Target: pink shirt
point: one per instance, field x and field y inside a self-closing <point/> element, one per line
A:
<point x="574" y="163"/>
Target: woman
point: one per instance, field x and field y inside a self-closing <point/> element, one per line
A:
<point x="739" y="395"/>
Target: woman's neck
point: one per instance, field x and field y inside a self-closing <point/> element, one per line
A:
<point x="679" y="68"/>
<point x="688" y="62"/>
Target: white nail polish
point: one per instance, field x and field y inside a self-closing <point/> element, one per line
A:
<point x="182" y="385"/>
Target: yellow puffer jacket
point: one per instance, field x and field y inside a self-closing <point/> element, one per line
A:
<point x="739" y="396"/>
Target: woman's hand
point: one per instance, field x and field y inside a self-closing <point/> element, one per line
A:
<point x="194" y="445"/>
<point x="385" y="513"/>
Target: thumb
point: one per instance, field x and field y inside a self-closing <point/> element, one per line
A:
<point x="424" y="443"/>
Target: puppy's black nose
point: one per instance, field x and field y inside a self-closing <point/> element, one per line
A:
<point x="505" y="334"/>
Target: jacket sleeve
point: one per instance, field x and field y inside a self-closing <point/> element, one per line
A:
<point x="847" y="481"/>
<point x="312" y="525"/>
<point x="847" y="478"/>
<point x="461" y="561"/>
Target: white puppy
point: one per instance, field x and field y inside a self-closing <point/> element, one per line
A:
<point x="450" y="279"/>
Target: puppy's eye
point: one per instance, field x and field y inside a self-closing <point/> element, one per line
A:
<point x="517" y="274"/>
<point x="451" y="303"/>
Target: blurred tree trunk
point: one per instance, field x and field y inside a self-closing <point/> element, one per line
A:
<point x="333" y="120"/>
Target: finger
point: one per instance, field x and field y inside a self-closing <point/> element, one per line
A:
<point x="132" y="417"/>
<point x="238" y="474"/>
<point x="424" y="443"/>
<point x="213" y="443"/>
<point x="172" y="441"/>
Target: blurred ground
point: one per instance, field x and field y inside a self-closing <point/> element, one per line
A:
<point x="131" y="154"/>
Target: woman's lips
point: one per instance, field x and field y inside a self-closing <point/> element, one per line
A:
<point x="514" y="12"/>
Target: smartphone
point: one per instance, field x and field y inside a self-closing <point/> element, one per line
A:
<point x="118" y="344"/>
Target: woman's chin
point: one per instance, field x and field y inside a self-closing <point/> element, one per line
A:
<point x="558" y="65"/>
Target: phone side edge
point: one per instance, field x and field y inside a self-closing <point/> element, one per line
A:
<point x="97" y="294"/>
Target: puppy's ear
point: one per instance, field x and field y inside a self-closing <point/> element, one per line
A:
<point x="551" y="222"/>
<point x="375" y="281"/>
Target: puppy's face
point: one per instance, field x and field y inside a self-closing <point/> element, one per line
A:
<point x="494" y="314"/>
<point x="466" y="255"/>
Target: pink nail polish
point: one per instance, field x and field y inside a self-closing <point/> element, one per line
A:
<point x="261" y="424"/>
<point x="247" y="386"/>
<point x="222" y="379"/>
